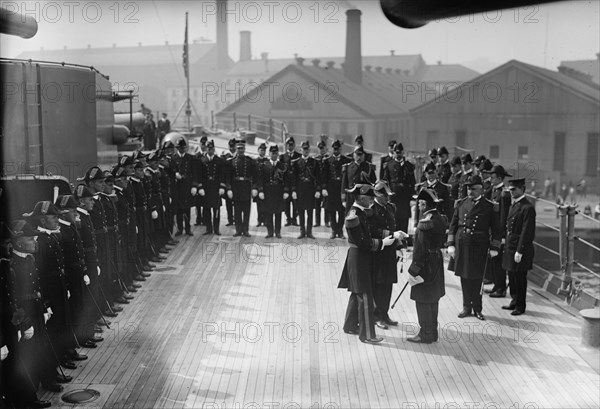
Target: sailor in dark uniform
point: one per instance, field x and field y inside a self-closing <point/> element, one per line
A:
<point x="426" y="272"/>
<point x="287" y="158"/>
<point x="262" y="158"/>
<point x="126" y="217"/>
<point x="400" y="175"/>
<point x="359" y="142"/>
<point x="385" y="159"/>
<point x="467" y="174"/>
<point x="357" y="275"/>
<point x="444" y="169"/>
<point x="454" y="180"/>
<point x="228" y="202"/>
<point x="433" y="156"/>
<point x="484" y="169"/>
<point x="332" y="180"/>
<point x="442" y="191"/>
<point x="321" y="202"/>
<point x="212" y="187"/>
<point x="500" y="196"/>
<point x="306" y="187"/>
<point x="273" y="188"/>
<point x="519" y="251"/>
<point x="474" y="222"/>
<point x="357" y="171"/>
<point x="241" y="178"/>
<point x="184" y="187"/>
<point x="198" y="200"/>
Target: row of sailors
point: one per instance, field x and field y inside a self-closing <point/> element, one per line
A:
<point x="66" y="267"/>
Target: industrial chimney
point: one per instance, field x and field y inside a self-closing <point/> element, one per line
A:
<point x="353" y="63"/>
<point x="222" y="39"/>
<point x="245" y="46"/>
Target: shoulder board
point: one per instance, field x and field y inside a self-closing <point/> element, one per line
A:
<point x="445" y="184"/>
<point x="345" y="165"/>
<point x="495" y="205"/>
<point x="230" y="158"/>
<point x="425" y="224"/>
<point x="420" y="184"/>
<point x="352" y="219"/>
<point x="461" y="200"/>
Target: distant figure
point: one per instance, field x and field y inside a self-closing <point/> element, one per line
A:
<point x="553" y="187"/>
<point x="564" y="191"/>
<point x="572" y="194"/>
<point x="149" y="133"/>
<point x="547" y="185"/>
<point x="144" y="110"/>
<point x="583" y="188"/>
<point x="164" y="126"/>
<point x="597" y="211"/>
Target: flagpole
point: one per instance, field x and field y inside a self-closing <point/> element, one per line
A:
<point x="188" y="110"/>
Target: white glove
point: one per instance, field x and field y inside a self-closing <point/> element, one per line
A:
<point x="18" y="335"/>
<point x="68" y="294"/>
<point x="503" y="242"/>
<point x="178" y="176"/>
<point x="170" y="200"/>
<point x="493" y="253"/>
<point x="324" y="193"/>
<point x="3" y="352"/>
<point x="98" y="267"/>
<point x="201" y="192"/>
<point x="194" y="191"/>
<point x="518" y="257"/>
<point x="164" y="208"/>
<point x="286" y="196"/>
<point x="136" y="230"/>
<point x="451" y="250"/>
<point x="414" y="280"/>
<point x="388" y="241"/>
<point x="154" y="215"/>
<point x="343" y="197"/>
<point x="317" y="195"/>
<point x="294" y="196"/>
<point x="254" y="192"/>
<point x="46" y="317"/>
<point x="49" y="311"/>
<point x="28" y="334"/>
<point x="230" y="194"/>
<point x="261" y="196"/>
<point x="221" y="192"/>
<point x="86" y="280"/>
<point x="398" y="235"/>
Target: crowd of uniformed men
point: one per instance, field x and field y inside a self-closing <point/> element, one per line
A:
<point x="70" y="264"/>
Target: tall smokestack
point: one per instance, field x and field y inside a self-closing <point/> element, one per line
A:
<point x="353" y="63"/>
<point x="245" y="46"/>
<point x="222" y="39"/>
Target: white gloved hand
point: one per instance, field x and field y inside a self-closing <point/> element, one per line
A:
<point x="317" y="195"/>
<point x="86" y="280"/>
<point x="202" y="192"/>
<point x="154" y="215"/>
<point x="164" y="208"/>
<point x="388" y="241"/>
<point x="399" y="235"/>
<point x="286" y="196"/>
<point x="194" y="191"/>
<point x="451" y="250"/>
<point x="19" y="335"/>
<point x="28" y="334"/>
<point x="518" y="257"/>
<point x="3" y="352"/>
<point x="261" y="196"/>
<point x="230" y="194"/>
<point x="325" y="193"/>
<point x="98" y="268"/>
<point x="294" y="196"/>
<point x="503" y="242"/>
<point x="254" y="192"/>
<point x="46" y="317"/>
<point x="49" y="311"/>
<point x="221" y="192"/>
<point x="414" y="280"/>
<point x="493" y="253"/>
<point x="136" y="230"/>
<point x="170" y="200"/>
<point x="68" y="294"/>
<point x="178" y="176"/>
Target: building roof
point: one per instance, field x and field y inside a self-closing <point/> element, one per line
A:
<point x="444" y="73"/>
<point x="590" y="67"/>
<point x="144" y="55"/>
<point x="577" y="87"/>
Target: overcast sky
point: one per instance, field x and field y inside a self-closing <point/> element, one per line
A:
<point x="542" y="35"/>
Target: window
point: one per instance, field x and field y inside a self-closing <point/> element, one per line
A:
<point x="461" y="139"/>
<point x="559" y="151"/>
<point x="494" y="152"/>
<point x="325" y="128"/>
<point x="591" y="165"/>
<point x="310" y="128"/>
<point x="523" y="152"/>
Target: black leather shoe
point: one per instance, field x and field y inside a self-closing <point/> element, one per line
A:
<point x="89" y="344"/>
<point x="179" y="233"/>
<point x="498" y="294"/>
<point x="310" y="236"/>
<point x="487" y="281"/>
<point x="278" y="235"/>
<point x="317" y="225"/>
<point x="268" y="236"/>
<point x="139" y="278"/>
<point x="121" y="300"/>
<point x="479" y="316"/>
<point x="351" y="331"/>
<point x="418" y="340"/>
<point x="332" y="236"/>
<point x="206" y="233"/>
<point x="302" y="236"/>
<point x="189" y="233"/>
<point x="77" y="357"/>
<point x="173" y="242"/>
<point x="103" y="323"/>
<point x="464" y="313"/>
<point x="217" y="233"/>
<point x="390" y="322"/>
<point x="288" y="223"/>
<point x="373" y="341"/>
<point x="68" y="365"/>
<point x="132" y="289"/>
<point x="156" y="259"/>
<point x="381" y="324"/>
<point x="517" y="312"/>
<point x="145" y="274"/>
<point x="129" y="296"/>
<point x="63" y="378"/>
<point x="96" y="339"/>
<point x="237" y="234"/>
<point x="147" y="268"/>
<point x="489" y="291"/>
<point x="136" y="285"/>
<point x="117" y="308"/>
<point x="39" y="404"/>
<point x="229" y="224"/>
<point x="53" y="387"/>
<point x="246" y="234"/>
<point x="163" y="250"/>
<point x="509" y="307"/>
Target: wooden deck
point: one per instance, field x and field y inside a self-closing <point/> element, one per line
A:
<point x="256" y="323"/>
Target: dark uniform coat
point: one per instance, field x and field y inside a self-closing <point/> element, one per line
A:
<point x="353" y="173"/>
<point x="444" y="171"/>
<point x="332" y="180"/>
<point x="382" y="223"/>
<point x="520" y="232"/>
<point x="473" y="225"/>
<point x="384" y="160"/>
<point x="212" y="179"/>
<point x="501" y="198"/>
<point x="75" y="267"/>
<point x="358" y="268"/>
<point x="242" y="173"/>
<point x="401" y="178"/>
<point x="273" y="182"/>
<point x="183" y="187"/>
<point x="428" y="261"/>
<point x="306" y="181"/>
<point x="445" y="207"/>
<point x="462" y="183"/>
<point x="454" y="182"/>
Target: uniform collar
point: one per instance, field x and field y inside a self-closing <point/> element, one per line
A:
<point x="431" y="183"/>
<point x="120" y="189"/>
<point x="518" y="199"/>
<point x="80" y="210"/>
<point x="134" y="179"/>
<point x="48" y="232"/>
<point x="22" y="255"/>
<point x="361" y="207"/>
<point x="499" y="185"/>
<point x="66" y="223"/>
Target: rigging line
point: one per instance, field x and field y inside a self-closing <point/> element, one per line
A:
<point x="179" y="77"/>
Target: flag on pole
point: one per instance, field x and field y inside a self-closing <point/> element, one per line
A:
<point x="186" y="65"/>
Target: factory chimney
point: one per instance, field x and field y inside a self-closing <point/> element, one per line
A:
<point x="353" y="63"/>
<point x="222" y="38"/>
